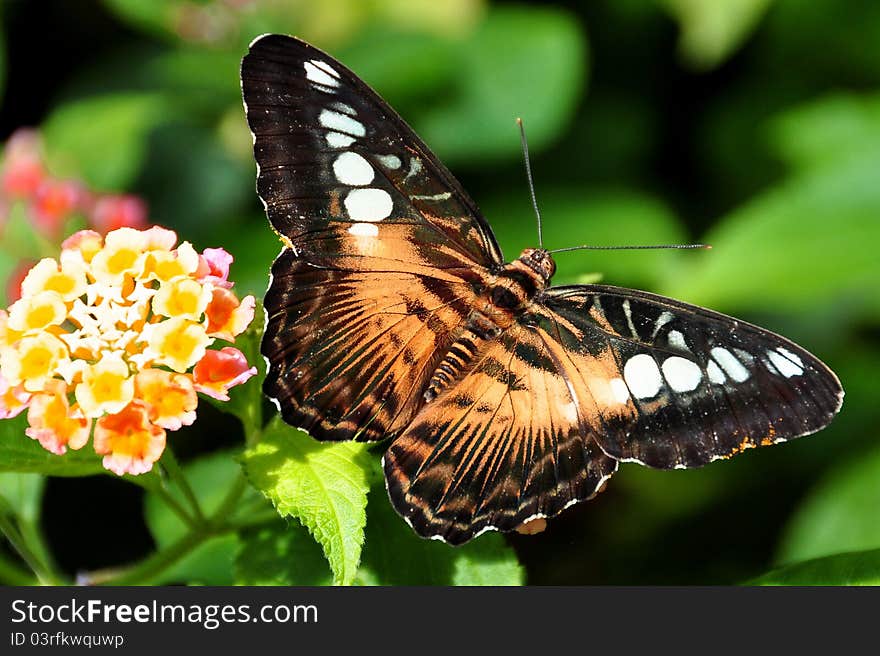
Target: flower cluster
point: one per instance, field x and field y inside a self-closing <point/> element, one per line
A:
<point x="51" y="203"/>
<point x="115" y="336"/>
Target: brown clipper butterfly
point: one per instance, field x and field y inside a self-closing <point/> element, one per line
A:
<point x="392" y="314"/>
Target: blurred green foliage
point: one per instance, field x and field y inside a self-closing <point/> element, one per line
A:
<point x="751" y="125"/>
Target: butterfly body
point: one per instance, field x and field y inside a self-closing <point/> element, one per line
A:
<point x="391" y="314"/>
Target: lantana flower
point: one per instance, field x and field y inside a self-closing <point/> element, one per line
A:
<point x="114" y="339"/>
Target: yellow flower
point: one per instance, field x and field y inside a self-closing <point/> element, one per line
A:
<point x="178" y="343"/>
<point x="52" y="421"/>
<point x="170" y="397"/>
<point x="122" y="254"/>
<point x="33" y="360"/>
<point x="107" y="386"/>
<point x="85" y="244"/>
<point x="128" y="441"/>
<point x="95" y="325"/>
<point x="182" y="297"/>
<point x="8" y="336"/>
<point x="165" y="265"/>
<point x="67" y="279"/>
<point x="37" y="312"/>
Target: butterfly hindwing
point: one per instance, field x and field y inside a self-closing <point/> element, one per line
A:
<point x="697" y="385"/>
<point x="503" y="445"/>
<point x="349" y="353"/>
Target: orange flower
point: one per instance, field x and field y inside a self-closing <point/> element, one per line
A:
<point x="101" y="324"/>
<point x="221" y="370"/>
<point x="53" y="423"/>
<point x="13" y="399"/>
<point x="227" y="317"/>
<point x="129" y="442"/>
<point x="171" y="397"/>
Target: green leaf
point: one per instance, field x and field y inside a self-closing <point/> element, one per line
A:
<point x="526" y="62"/>
<point x="323" y="485"/>
<point x="811" y="241"/>
<point x="395" y="555"/>
<point x="103" y="138"/>
<point x="827" y="130"/>
<point x="281" y="555"/>
<point x="19" y="453"/>
<point x="858" y="568"/>
<point x="711" y="31"/>
<point x="210" y="563"/>
<point x="840" y="515"/>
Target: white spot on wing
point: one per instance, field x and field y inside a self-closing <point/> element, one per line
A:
<point x="642" y="376"/>
<point x="327" y="68"/>
<point x="784" y="361"/>
<point x="339" y="140"/>
<point x="368" y="204"/>
<point x="664" y="318"/>
<point x="681" y="374"/>
<point x="731" y="366"/>
<point x="715" y="374"/>
<point x="352" y="169"/>
<point x="676" y="339"/>
<point x="389" y="161"/>
<point x="364" y="229"/>
<point x="341" y="123"/>
<point x="320" y="76"/>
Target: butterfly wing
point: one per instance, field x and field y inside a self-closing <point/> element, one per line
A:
<point x="503" y="445"/>
<point x="688" y="385"/>
<point x="337" y="164"/>
<point x="383" y="247"/>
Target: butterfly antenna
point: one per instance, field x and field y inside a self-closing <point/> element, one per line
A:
<point x="630" y="248"/>
<point x="525" y="149"/>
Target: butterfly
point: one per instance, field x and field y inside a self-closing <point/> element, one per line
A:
<point x="391" y="314"/>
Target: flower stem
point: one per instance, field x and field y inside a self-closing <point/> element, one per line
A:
<point x="12" y="574"/>
<point x="175" y="473"/>
<point x="38" y="566"/>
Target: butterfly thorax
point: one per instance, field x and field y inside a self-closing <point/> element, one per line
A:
<point x="506" y="296"/>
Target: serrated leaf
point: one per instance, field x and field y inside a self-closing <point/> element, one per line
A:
<point x="210" y="563"/>
<point x="858" y="568"/>
<point x="393" y="555"/>
<point x="527" y="62"/>
<point x="322" y="485"/>
<point x="103" y="139"/>
<point x="281" y="555"/>
<point x="840" y="515"/>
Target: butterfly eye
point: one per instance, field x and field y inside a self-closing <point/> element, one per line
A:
<point x="503" y="298"/>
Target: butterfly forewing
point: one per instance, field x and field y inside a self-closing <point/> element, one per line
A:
<point x="691" y="385"/>
<point x="338" y="167"/>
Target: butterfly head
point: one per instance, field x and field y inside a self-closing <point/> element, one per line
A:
<point x="540" y="261"/>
